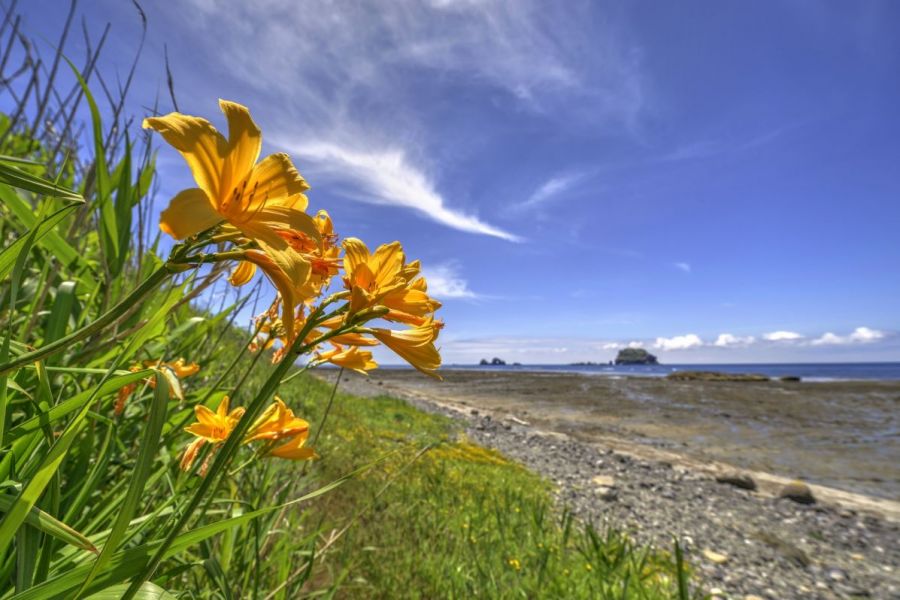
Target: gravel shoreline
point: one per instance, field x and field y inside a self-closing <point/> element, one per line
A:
<point x="741" y="544"/>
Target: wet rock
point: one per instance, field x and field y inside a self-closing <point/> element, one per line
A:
<point x="799" y="492"/>
<point x="738" y="480"/>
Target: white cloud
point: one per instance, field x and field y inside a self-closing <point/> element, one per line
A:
<point x="782" y="336"/>
<point x="860" y="335"/>
<point x="551" y="188"/>
<point x="726" y="339"/>
<point x="611" y="346"/>
<point x="365" y="88"/>
<point x="683" y="266"/>
<point x="679" y="342"/>
<point x="827" y="339"/>
<point x="864" y="334"/>
<point x="636" y="344"/>
<point x="444" y="282"/>
<point x="386" y="177"/>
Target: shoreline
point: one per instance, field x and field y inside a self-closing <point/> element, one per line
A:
<point x="744" y="544"/>
<point x="840" y="435"/>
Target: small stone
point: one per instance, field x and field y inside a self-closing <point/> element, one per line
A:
<point x="608" y="494"/>
<point x="604" y="480"/>
<point x="836" y="575"/>
<point x="715" y="557"/>
<point x="717" y="591"/>
<point x="857" y="556"/>
<point x="738" y="480"/>
<point x="799" y="492"/>
<point x="752" y="597"/>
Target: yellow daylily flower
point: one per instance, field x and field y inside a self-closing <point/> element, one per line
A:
<point x="276" y="422"/>
<point x="352" y="358"/>
<point x="414" y="345"/>
<point x="385" y="278"/>
<point x="261" y="199"/>
<point x="294" y="449"/>
<point x="211" y="427"/>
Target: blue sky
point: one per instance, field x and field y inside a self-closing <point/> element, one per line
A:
<point x="715" y="181"/>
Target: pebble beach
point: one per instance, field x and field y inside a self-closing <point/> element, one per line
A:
<point x="622" y="453"/>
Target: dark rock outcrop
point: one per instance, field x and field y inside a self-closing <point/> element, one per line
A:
<point x="494" y="362"/>
<point x="635" y="356"/>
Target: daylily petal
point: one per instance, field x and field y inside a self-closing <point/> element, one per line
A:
<point x="200" y="144"/>
<point x="222" y="409"/>
<point x="206" y="416"/>
<point x="292" y="219"/>
<point x="411" y="301"/>
<point x="190" y="453"/>
<point x="294" y="449"/>
<point x="242" y="273"/>
<point x="355" y="253"/>
<point x="189" y="213"/>
<point x="282" y="283"/>
<point x="414" y="345"/>
<point x="275" y="179"/>
<point x="244" y="142"/>
<point x="387" y="263"/>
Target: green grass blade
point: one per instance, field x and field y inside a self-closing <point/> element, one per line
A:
<point x="101" y="173"/>
<point x="61" y="311"/>
<point x="18" y="178"/>
<point x="73" y="404"/>
<point x="148" y="450"/>
<point x="51" y="526"/>
<point x="46" y="235"/>
<point x="125" y="564"/>
<point x="148" y="591"/>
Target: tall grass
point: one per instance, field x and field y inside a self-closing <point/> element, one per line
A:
<point x="93" y="314"/>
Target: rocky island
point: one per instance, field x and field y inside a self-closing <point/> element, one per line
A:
<point x="635" y="356"/>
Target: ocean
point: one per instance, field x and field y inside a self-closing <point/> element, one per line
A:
<point x="806" y="371"/>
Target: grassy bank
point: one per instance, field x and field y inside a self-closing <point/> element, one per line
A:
<point x="441" y="517"/>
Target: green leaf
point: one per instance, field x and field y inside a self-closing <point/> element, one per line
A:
<point x="148" y="450"/>
<point x="48" y="238"/>
<point x="148" y="591"/>
<point x="125" y="564"/>
<point x="23" y="180"/>
<point x="73" y="404"/>
<point x="51" y="526"/>
<point x="101" y="173"/>
<point x="43" y="229"/>
<point x="61" y="311"/>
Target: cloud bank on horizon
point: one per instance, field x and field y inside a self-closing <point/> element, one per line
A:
<point x="575" y="171"/>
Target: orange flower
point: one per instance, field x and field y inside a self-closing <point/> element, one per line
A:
<point x="352" y="358"/>
<point x="211" y="427"/>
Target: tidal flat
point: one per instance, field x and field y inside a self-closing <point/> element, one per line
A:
<point x="840" y="434"/>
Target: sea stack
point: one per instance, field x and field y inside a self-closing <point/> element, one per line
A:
<point x="635" y="356"/>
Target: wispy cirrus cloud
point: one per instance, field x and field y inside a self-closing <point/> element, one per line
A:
<point x="682" y="266"/>
<point x="552" y="189"/>
<point x="387" y="177"/>
<point x="347" y="85"/>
